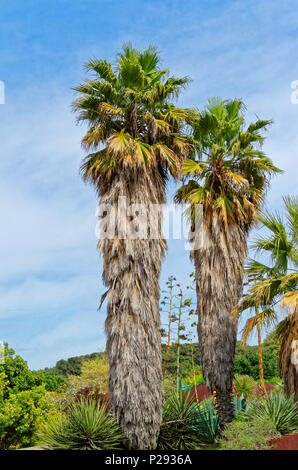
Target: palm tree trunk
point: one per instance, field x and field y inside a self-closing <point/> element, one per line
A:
<point x="131" y="272"/>
<point x="288" y="358"/>
<point x="219" y="271"/>
<point x="261" y="357"/>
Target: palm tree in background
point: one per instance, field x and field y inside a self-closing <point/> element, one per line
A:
<point x="228" y="178"/>
<point x="276" y="284"/>
<point x="137" y="138"/>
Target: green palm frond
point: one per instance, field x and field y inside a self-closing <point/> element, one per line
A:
<point x="291" y="203"/>
<point x="129" y="113"/>
<point x="233" y="171"/>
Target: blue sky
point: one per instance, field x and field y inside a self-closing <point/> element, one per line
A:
<point x="50" y="277"/>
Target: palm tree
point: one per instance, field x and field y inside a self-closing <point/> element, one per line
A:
<point x="258" y="321"/>
<point x="277" y="284"/>
<point x="137" y="138"/>
<point x="229" y="178"/>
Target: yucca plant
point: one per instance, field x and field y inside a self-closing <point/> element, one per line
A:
<point x="280" y="410"/>
<point x="84" y="427"/>
<point x="178" y="429"/>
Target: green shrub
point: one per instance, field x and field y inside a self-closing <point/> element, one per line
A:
<point x="189" y="380"/>
<point x="273" y="380"/>
<point x="18" y="377"/>
<point x="169" y="385"/>
<point x="53" y="382"/>
<point x="177" y="431"/>
<point x="248" y="435"/>
<point x="245" y="386"/>
<point x="281" y="411"/>
<point x="83" y="427"/>
<point x="20" y="415"/>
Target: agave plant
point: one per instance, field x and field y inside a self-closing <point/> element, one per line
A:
<point x="84" y="427"/>
<point x="277" y="408"/>
<point x="206" y="422"/>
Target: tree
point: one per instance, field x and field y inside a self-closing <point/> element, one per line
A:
<point x="278" y="283"/>
<point x="229" y="178"/>
<point x="137" y="137"/>
<point x="16" y="375"/>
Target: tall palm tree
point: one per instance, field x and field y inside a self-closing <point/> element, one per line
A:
<point x="137" y="138"/>
<point x="228" y="178"/>
<point x="277" y="284"/>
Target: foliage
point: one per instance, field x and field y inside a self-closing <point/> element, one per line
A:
<point x="177" y="430"/>
<point x="3" y="385"/>
<point x="72" y="366"/>
<point x="96" y="371"/>
<point x="83" y="427"/>
<point x="252" y="435"/>
<point x="18" y="377"/>
<point x="274" y="380"/>
<point x="245" y="386"/>
<point x="189" y="380"/>
<point x="281" y="411"/>
<point x="185" y="359"/>
<point x="206" y="421"/>
<point x="247" y="360"/>
<point x="169" y="385"/>
<point x="276" y="282"/>
<point x="20" y="415"/>
<point x="132" y="123"/>
<point x="231" y="173"/>
<point x="53" y="382"/>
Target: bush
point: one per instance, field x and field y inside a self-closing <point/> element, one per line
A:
<point x="96" y="372"/>
<point x="20" y="415"/>
<point x="177" y="431"/>
<point x="169" y="385"/>
<point x="83" y="427"/>
<point x="247" y="359"/>
<point x="281" y="411"/>
<point x="53" y="382"/>
<point x="244" y="435"/>
<point x="18" y="377"/>
<point x="189" y="380"/>
<point x="245" y="386"/>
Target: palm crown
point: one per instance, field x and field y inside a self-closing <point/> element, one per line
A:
<point x="130" y="116"/>
<point x="230" y="172"/>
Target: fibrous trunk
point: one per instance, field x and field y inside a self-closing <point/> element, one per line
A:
<point x="288" y="358"/>
<point x="131" y="271"/>
<point x="219" y="260"/>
